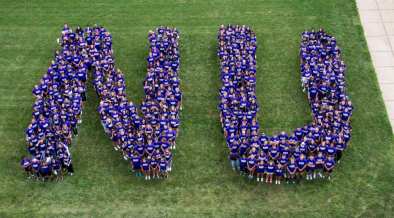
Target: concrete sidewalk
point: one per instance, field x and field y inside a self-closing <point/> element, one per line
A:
<point x="377" y="18"/>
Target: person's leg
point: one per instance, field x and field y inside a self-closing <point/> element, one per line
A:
<point x="75" y="130"/>
<point x="146" y="175"/>
<point x="233" y="164"/>
<point x="70" y="169"/>
<point x="27" y="173"/>
<point x="329" y="174"/>
<point x="293" y="178"/>
<point x="338" y="156"/>
<point x="250" y="174"/>
<point x="307" y="175"/>
<point x="237" y="164"/>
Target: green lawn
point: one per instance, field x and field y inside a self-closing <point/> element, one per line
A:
<point x="202" y="183"/>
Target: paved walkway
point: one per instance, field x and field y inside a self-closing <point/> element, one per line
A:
<point x="377" y="18"/>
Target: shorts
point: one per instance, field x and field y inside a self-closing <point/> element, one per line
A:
<point x="259" y="170"/>
<point x="309" y="169"/>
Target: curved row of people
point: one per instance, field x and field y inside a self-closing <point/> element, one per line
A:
<point x="306" y="152"/>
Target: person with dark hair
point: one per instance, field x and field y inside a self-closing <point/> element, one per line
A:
<point x="26" y="165"/>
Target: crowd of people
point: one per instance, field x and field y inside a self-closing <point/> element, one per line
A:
<point x="311" y="151"/>
<point x="57" y="110"/>
<point x="147" y="141"/>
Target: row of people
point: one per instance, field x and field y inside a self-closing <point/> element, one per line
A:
<point x="145" y="140"/>
<point x="313" y="148"/>
<point x="57" y="109"/>
<point x="48" y="169"/>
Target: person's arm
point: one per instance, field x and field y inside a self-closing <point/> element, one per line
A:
<point x="304" y="167"/>
<point x="326" y="167"/>
<point x="332" y="167"/>
<point x="289" y="171"/>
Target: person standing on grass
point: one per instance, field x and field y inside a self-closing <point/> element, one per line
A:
<point x="260" y="171"/>
<point x="168" y="158"/>
<point x="320" y="160"/>
<point x="251" y="166"/>
<point x="243" y="165"/>
<point x="270" y="169"/>
<point x="329" y="165"/>
<point x="278" y="173"/>
<point x="291" y="170"/>
<point x="136" y="164"/>
<point x="163" y="168"/>
<point x="234" y="157"/>
<point x="45" y="171"/>
<point x="301" y="166"/>
<point x="311" y="167"/>
<point x="26" y="165"/>
<point x="57" y="169"/>
<point x="145" y="167"/>
<point x="331" y="150"/>
<point x="340" y="146"/>
<point x="154" y="167"/>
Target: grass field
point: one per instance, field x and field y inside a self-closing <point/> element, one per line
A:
<point x="202" y="183"/>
